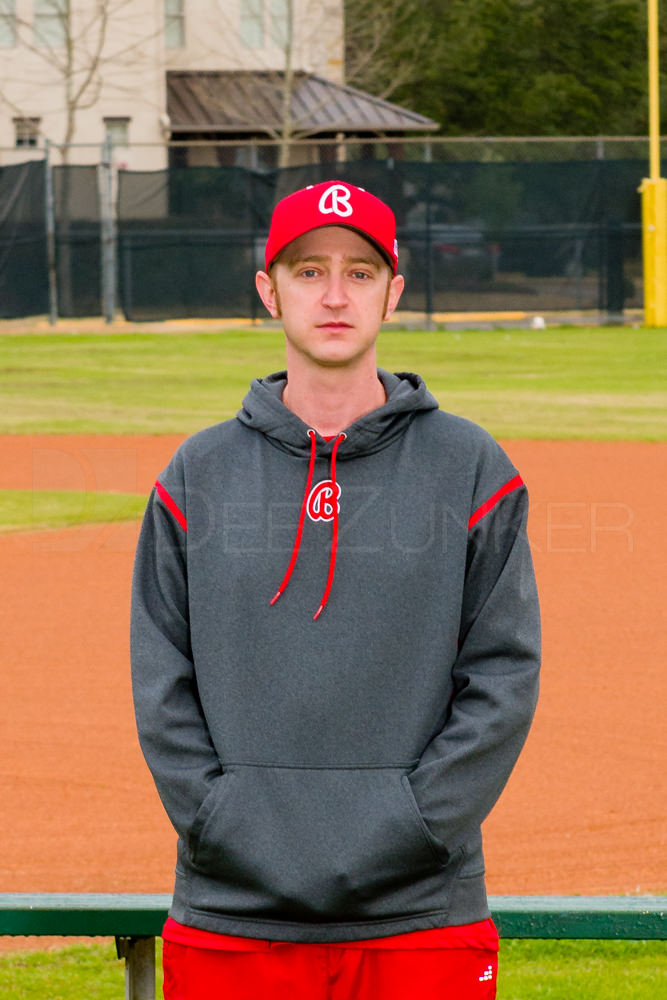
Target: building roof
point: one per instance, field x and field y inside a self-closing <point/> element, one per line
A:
<point x="233" y="102"/>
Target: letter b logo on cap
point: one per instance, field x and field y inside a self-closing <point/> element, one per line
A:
<point x="336" y="199"/>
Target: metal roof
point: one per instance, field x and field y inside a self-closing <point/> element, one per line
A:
<point x="245" y="101"/>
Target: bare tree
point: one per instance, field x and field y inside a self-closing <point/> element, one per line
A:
<point x="72" y="51"/>
<point x="384" y="44"/>
<point x="295" y="32"/>
<point x="368" y="62"/>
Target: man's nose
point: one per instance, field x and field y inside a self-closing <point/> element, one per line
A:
<point x="334" y="292"/>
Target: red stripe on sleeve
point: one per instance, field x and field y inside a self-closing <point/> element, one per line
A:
<point x="509" y="487"/>
<point x="171" y="505"/>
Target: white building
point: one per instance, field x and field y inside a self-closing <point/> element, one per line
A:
<point x="146" y="71"/>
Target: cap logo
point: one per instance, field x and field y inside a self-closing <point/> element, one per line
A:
<point x="336" y="199"/>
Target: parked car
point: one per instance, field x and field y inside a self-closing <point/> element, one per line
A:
<point x="457" y="254"/>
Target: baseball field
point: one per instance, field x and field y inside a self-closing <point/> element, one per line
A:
<point x="87" y="420"/>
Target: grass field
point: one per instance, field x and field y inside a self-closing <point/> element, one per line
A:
<point x="595" y="383"/>
<point x="32" y="510"/>
<point x="557" y="970"/>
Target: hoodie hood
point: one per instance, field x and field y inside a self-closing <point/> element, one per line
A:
<point x="264" y="411"/>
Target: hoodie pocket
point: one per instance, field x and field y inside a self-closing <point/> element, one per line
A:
<point x="314" y="843"/>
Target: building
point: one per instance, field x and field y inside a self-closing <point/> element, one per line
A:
<point x="143" y="73"/>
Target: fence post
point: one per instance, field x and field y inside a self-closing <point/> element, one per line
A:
<point x="50" y="234"/>
<point x="107" y="232"/>
<point x="139" y="955"/>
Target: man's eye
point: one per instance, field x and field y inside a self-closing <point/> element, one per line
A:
<point x="361" y="275"/>
<point x="309" y="272"/>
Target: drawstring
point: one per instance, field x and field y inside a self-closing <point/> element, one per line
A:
<point x="302" y="517"/>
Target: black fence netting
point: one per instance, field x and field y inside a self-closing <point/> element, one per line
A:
<point x="24" y="289"/>
<point x="472" y="236"/>
<point x="78" y="246"/>
<point x="189" y="241"/>
<point x="24" y="263"/>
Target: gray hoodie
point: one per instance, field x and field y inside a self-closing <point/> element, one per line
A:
<point x="327" y="778"/>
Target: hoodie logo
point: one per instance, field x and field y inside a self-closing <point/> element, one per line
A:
<point x="336" y="199"/>
<point x="321" y="500"/>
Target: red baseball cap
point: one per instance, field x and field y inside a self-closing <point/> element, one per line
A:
<point x="333" y="203"/>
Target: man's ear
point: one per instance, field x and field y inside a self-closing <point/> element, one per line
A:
<point x="267" y="293"/>
<point x="396" y="286"/>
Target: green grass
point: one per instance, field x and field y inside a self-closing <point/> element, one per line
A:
<point x="529" y="970"/>
<point x="32" y="510"/>
<point x="579" y="382"/>
<point x="75" y="972"/>
<point x="71" y="973"/>
<point x="590" y="970"/>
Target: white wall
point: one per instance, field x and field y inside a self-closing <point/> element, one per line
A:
<point x="213" y="37"/>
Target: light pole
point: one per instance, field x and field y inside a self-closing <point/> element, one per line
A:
<point x="654" y="194"/>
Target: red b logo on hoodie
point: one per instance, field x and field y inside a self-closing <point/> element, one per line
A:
<point x="321" y="500"/>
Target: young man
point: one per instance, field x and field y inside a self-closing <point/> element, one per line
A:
<point x="335" y="647"/>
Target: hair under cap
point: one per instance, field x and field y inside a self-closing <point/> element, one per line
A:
<point x="333" y="203"/>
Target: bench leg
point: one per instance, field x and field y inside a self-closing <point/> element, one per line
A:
<point x="139" y="955"/>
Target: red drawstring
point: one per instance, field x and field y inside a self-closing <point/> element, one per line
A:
<point x="334" y="536"/>
<point x="302" y="517"/>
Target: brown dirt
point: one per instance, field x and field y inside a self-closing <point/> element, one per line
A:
<point x="584" y="812"/>
<point x="105" y="462"/>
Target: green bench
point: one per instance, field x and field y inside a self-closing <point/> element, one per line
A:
<point x="135" y="920"/>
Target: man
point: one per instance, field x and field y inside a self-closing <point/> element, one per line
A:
<point x="327" y="729"/>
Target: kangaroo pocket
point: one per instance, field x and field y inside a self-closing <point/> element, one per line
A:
<point x="314" y="844"/>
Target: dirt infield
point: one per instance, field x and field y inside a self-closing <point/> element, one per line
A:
<point x="585" y="809"/>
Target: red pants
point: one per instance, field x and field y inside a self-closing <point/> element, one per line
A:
<point x="278" y="971"/>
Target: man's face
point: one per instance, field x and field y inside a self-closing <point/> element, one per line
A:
<point x="332" y="289"/>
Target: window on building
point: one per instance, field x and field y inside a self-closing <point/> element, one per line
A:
<point x="252" y="23"/>
<point x="27" y="131"/>
<point x="51" y="23"/>
<point x="279" y="23"/>
<point x="7" y="23"/>
<point x="264" y="23"/>
<point x="117" y="130"/>
<point x="174" y="24"/>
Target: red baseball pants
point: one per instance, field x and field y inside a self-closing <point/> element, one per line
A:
<point x="279" y="971"/>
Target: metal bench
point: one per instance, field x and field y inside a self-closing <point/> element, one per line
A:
<point x="135" y="920"/>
